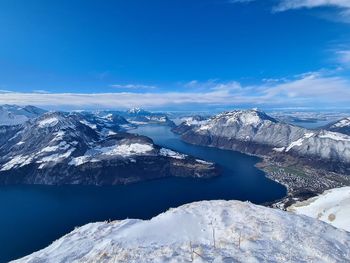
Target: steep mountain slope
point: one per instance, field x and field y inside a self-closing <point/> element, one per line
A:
<point x="207" y="231"/>
<point x="62" y="148"/>
<point x="342" y="126"/>
<point x="332" y="206"/>
<point x="13" y="114"/>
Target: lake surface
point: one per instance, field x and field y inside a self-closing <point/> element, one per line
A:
<point x="31" y="217"/>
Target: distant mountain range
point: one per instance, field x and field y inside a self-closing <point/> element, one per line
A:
<point x="138" y="116"/>
<point x="13" y="114"/>
<point x="84" y="148"/>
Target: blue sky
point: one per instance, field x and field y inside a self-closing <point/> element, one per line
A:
<point x="175" y="54"/>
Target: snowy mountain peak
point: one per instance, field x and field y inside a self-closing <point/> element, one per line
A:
<point x="13" y="114"/>
<point x="137" y="111"/>
<point x="59" y="121"/>
<point x="245" y="117"/>
<point x="238" y="119"/>
<point x="342" y="126"/>
<point x="342" y="123"/>
<point x="207" y="231"/>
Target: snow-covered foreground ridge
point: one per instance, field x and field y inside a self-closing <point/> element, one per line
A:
<point x="207" y="231"/>
<point x="333" y="207"/>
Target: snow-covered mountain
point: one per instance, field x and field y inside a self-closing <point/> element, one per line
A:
<point x="137" y="111"/>
<point x="105" y="123"/>
<point x="140" y="116"/>
<point x="255" y="132"/>
<point x="333" y="207"/>
<point x="186" y="123"/>
<point x="342" y="126"/>
<point x="13" y="114"/>
<point x="207" y="231"/>
<point x="64" y="148"/>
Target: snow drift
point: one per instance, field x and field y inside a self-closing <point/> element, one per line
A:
<point x="333" y="207"/>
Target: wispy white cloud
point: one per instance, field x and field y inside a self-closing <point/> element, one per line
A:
<point x="40" y="91"/>
<point x="343" y="6"/>
<point x="296" y="4"/>
<point x="310" y="89"/>
<point x="132" y="86"/>
<point x="5" y="91"/>
<point x="343" y="57"/>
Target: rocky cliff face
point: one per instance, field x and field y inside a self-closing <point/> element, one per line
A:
<point x="254" y="132"/>
<point x="63" y="148"/>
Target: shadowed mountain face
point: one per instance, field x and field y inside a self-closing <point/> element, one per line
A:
<point x="62" y="148"/>
<point x="255" y="132"/>
<point x="341" y="126"/>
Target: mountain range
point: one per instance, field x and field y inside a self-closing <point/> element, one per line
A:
<point x="75" y="148"/>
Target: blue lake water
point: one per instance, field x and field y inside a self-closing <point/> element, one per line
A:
<point x="31" y="217"/>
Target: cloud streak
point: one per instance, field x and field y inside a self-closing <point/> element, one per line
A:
<point x="343" y="57"/>
<point x="132" y="86"/>
<point x="296" y="4"/>
<point x="343" y="6"/>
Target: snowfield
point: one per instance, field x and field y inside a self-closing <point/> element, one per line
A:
<point x="342" y="123"/>
<point x="118" y="150"/>
<point x="207" y="231"/>
<point x="48" y="122"/>
<point x="333" y="207"/>
<point x="171" y="153"/>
